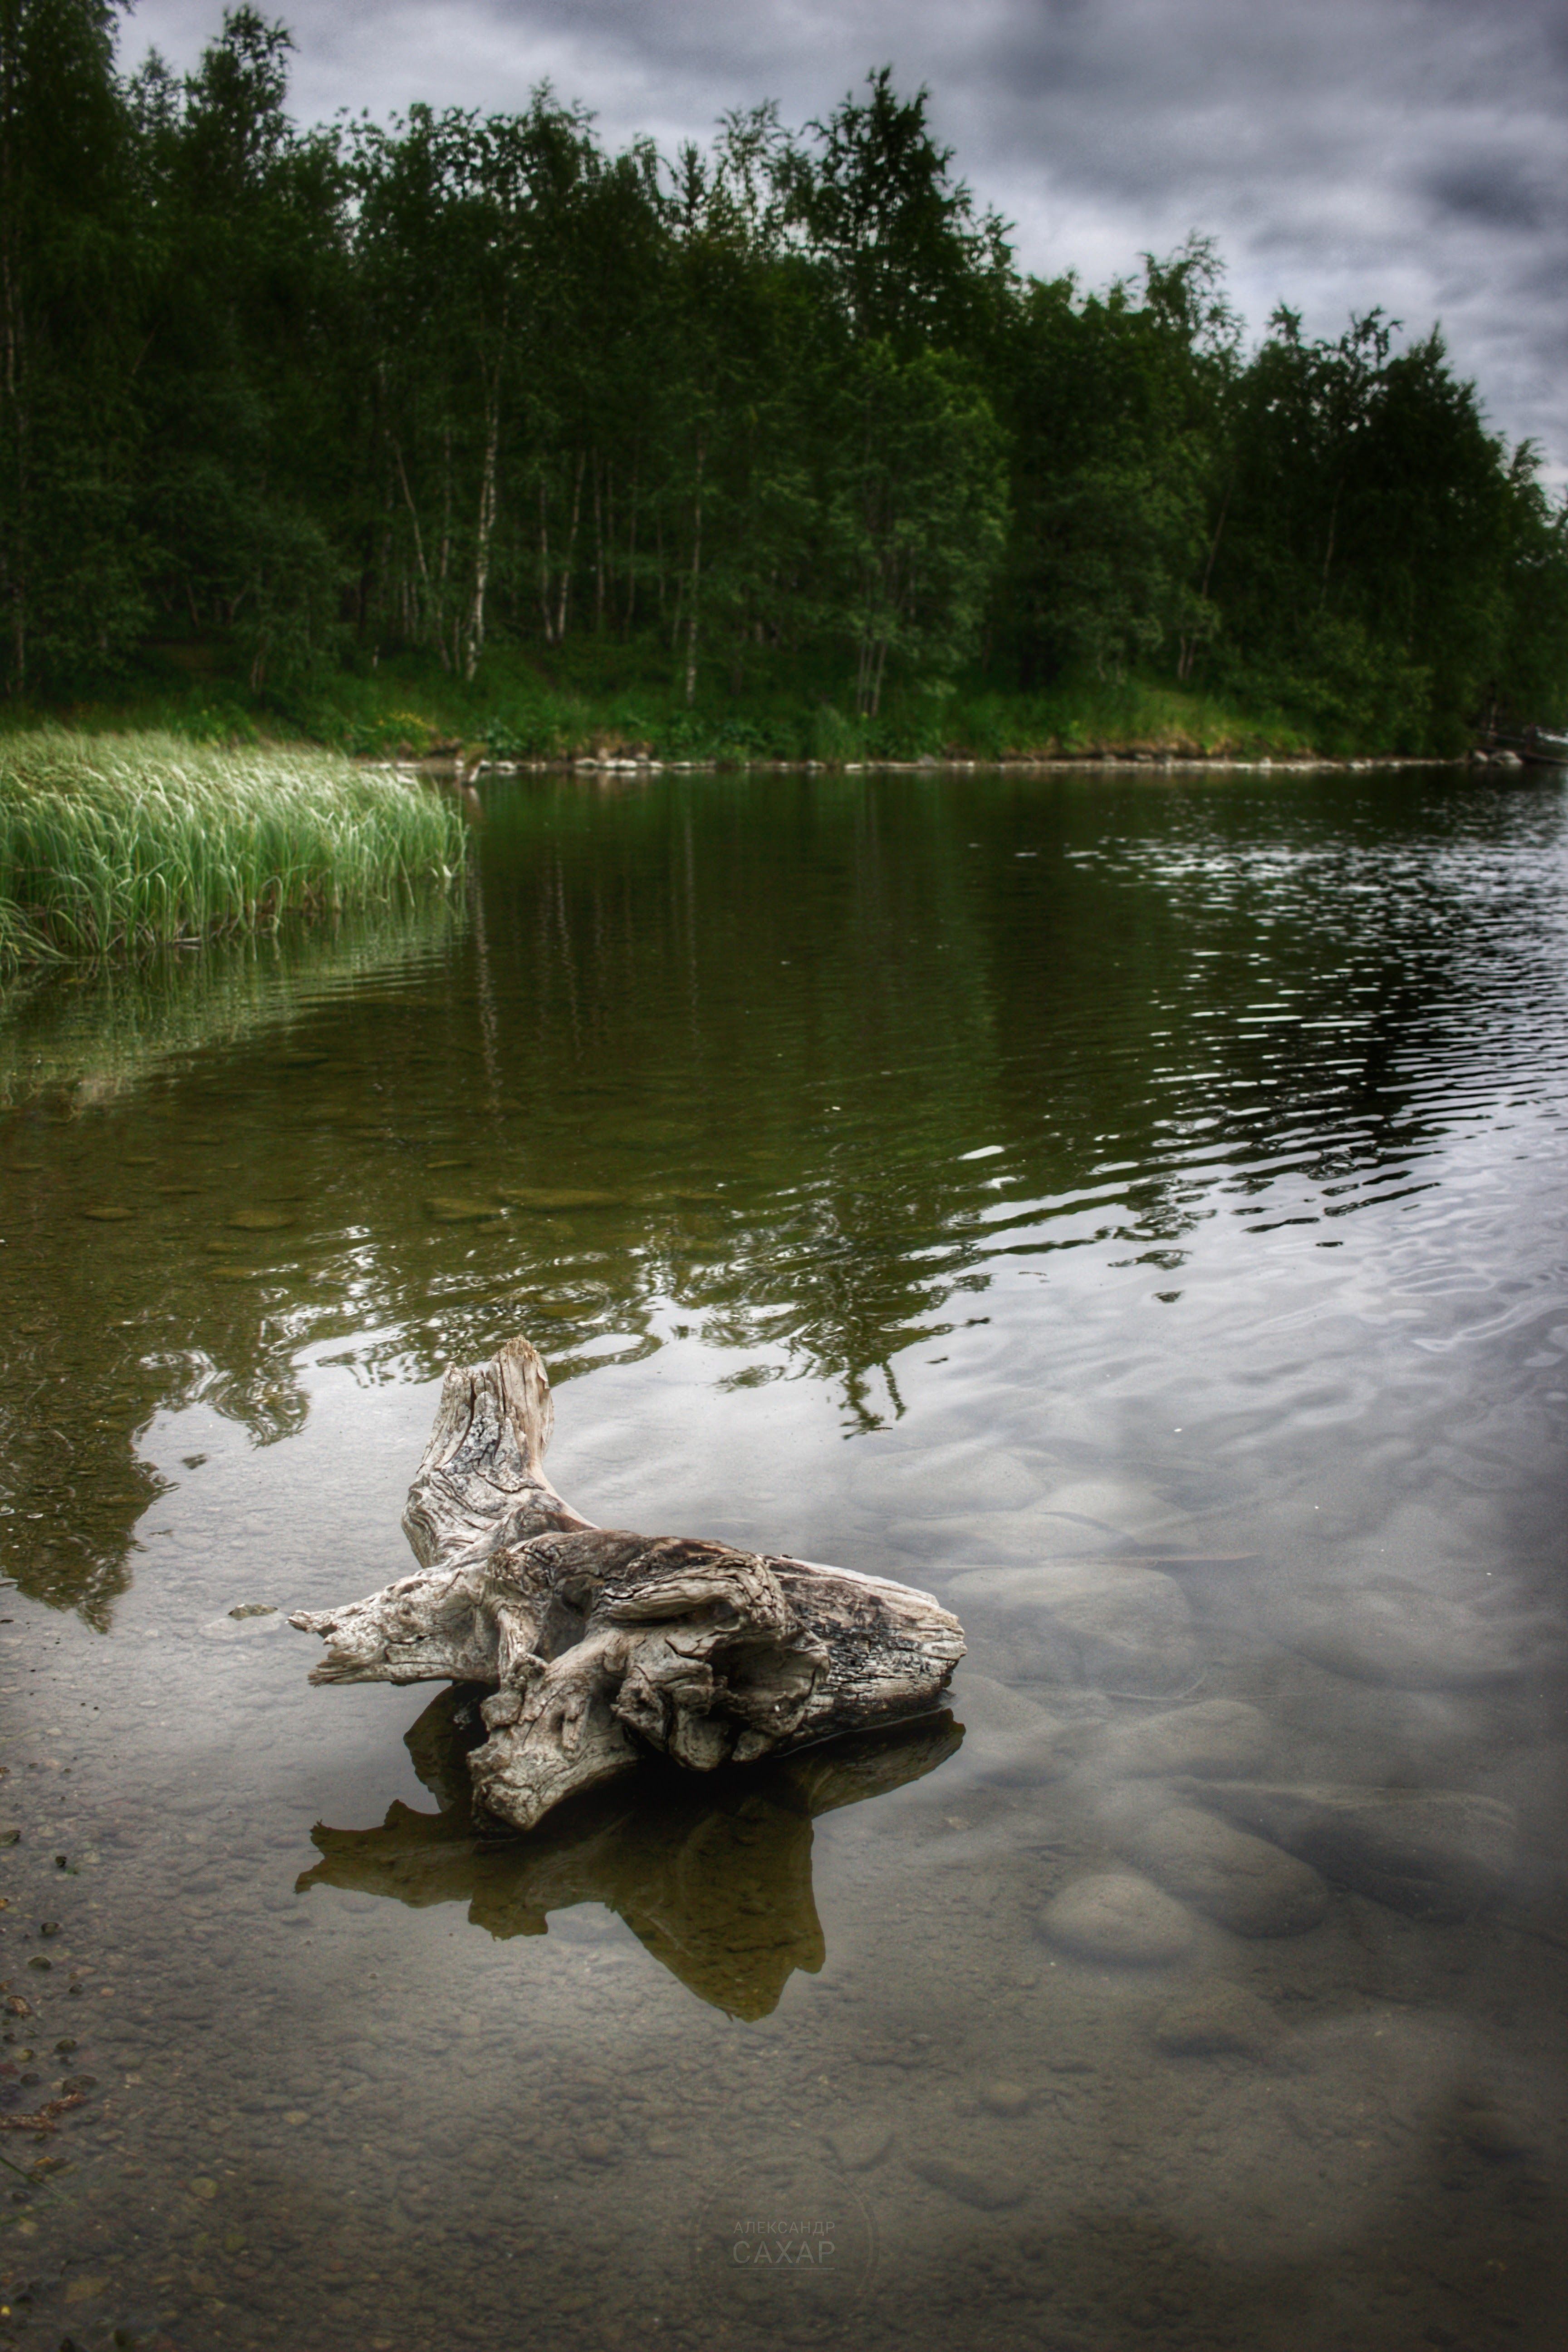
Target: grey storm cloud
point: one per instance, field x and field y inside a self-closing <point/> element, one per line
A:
<point x="1344" y="154"/>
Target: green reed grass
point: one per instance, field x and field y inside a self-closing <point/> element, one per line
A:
<point x="109" y="842"/>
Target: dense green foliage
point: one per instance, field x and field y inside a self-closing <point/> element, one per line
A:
<point x="776" y="419"/>
<point x="144" y="840"/>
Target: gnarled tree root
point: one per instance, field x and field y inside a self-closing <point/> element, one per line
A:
<point x="599" y="1644"/>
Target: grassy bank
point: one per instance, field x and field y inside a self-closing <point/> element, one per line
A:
<point x="1081" y="722"/>
<point x="605" y="698"/>
<point x="143" y="839"/>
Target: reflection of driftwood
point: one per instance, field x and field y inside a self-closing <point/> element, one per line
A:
<point x="714" y="1875"/>
<point x="599" y="1645"/>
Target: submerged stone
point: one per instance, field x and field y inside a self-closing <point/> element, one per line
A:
<point x="243" y="1624"/>
<point x="1125" y="1630"/>
<point x="1216" y="2020"/>
<point x="1219" y="1736"/>
<point x="1389" y="1630"/>
<point x="1119" y="1916"/>
<point x="859" y="2142"/>
<point x="1491" y="2130"/>
<point x="1436" y="1854"/>
<point x="1009" y="1738"/>
<point x="989" y="2192"/>
<point x="1242" y="1881"/>
<point x="556" y="1196"/>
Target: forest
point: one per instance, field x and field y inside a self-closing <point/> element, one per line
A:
<point x="771" y="439"/>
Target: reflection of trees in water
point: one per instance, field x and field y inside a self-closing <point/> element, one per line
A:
<point x="737" y="1039"/>
<point x="104" y="1323"/>
<point x="712" y="1872"/>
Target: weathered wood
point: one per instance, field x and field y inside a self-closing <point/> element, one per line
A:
<point x="597" y="1645"/>
<point x="482" y="1480"/>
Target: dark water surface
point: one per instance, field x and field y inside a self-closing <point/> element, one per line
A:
<point x="1133" y="1209"/>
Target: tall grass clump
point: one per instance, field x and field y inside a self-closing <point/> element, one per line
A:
<point x="110" y="841"/>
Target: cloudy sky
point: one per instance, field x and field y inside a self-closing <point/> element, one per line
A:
<point x="1345" y="153"/>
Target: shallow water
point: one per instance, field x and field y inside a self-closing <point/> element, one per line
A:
<point x="1128" y="1207"/>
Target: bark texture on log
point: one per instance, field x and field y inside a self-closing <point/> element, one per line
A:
<point x="598" y="1645"/>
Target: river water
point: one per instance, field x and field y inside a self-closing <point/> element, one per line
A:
<point x="1129" y="1207"/>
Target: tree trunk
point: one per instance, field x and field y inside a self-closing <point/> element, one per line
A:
<point x="1214" y="543"/>
<point x="631" y="560"/>
<point x="1189" y="645"/>
<point x="544" y="612"/>
<point x="483" y="533"/>
<point x="445" y="555"/>
<point x="571" y="555"/>
<point x="598" y="552"/>
<point x="876" y="680"/>
<point x="696" y="578"/>
<point x="600" y="1645"/>
<point x="1329" y="550"/>
<point x="432" y="602"/>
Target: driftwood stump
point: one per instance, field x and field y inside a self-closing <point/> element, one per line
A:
<point x="598" y="1645"/>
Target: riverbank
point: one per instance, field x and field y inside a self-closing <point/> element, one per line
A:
<point x="515" y="713"/>
<point x="1120" y="761"/>
<point x="148" y="839"/>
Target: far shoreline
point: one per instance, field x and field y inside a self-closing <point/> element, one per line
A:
<point x="454" y="768"/>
